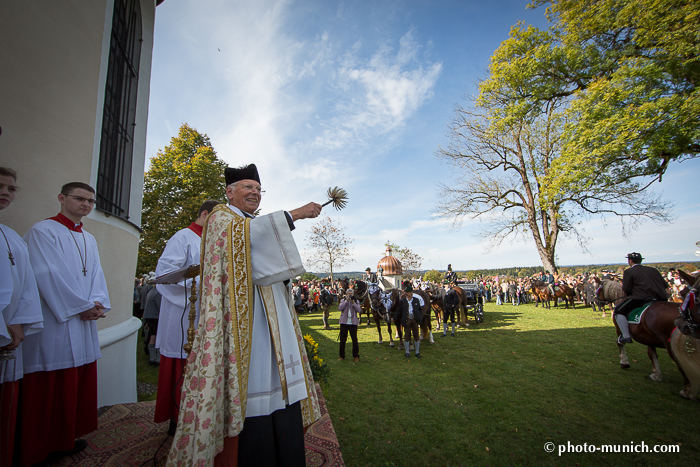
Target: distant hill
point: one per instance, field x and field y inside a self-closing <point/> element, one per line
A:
<point x="522" y="271"/>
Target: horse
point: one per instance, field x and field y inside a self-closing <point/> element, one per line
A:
<point x="365" y="303"/>
<point x="425" y="325"/>
<point x="685" y="340"/>
<point x="461" y="317"/>
<point x="654" y="329"/>
<point x="383" y="305"/>
<point x="541" y="291"/>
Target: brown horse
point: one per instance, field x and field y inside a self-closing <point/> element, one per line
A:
<point x="685" y="340"/>
<point x="654" y="330"/>
<point x="363" y="297"/>
<point x="542" y="293"/>
<point x="383" y="305"/>
<point x="425" y="324"/>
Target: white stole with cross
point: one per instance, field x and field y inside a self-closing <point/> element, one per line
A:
<point x="270" y="364"/>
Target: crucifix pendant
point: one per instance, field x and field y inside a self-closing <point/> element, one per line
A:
<point x="84" y="271"/>
<point x="12" y="258"/>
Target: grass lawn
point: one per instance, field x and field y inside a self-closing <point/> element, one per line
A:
<point x="498" y="391"/>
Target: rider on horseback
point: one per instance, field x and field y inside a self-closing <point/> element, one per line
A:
<point x="450" y="275"/>
<point x="549" y="280"/>
<point x="641" y="284"/>
<point x="370" y="276"/>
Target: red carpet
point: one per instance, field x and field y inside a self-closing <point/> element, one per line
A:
<point x="127" y="437"/>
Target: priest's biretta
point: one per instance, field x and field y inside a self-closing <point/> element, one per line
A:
<point x="236" y="174"/>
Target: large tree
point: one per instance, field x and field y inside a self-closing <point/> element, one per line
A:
<point x="328" y="248"/>
<point x="503" y="166"/>
<point x="629" y="71"/>
<point x="180" y="178"/>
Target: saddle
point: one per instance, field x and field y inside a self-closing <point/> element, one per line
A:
<point x="635" y="316"/>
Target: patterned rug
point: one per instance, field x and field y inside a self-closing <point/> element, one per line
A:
<point x="127" y="437"/>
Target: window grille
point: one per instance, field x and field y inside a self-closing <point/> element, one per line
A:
<point x="119" y="114"/>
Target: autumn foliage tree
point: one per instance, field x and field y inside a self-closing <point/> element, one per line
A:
<point x="410" y="261"/>
<point x="328" y="248"/>
<point x="180" y="178"/>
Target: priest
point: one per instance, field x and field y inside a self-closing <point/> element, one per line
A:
<point x="248" y="391"/>
<point x="20" y="316"/>
<point x="182" y="250"/>
<point x="59" y="391"/>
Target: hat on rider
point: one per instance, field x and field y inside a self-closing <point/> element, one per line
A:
<point x="407" y="287"/>
<point x="635" y="257"/>
<point x="368" y="270"/>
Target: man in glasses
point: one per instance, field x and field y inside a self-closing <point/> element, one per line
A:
<point x="182" y="250"/>
<point x="247" y="387"/>
<point x="59" y="393"/>
<point x="20" y="316"/>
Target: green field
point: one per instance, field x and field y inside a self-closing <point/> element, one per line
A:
<point x="497" y="392"/>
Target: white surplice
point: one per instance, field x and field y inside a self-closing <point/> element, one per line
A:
<point x="274" y="258"/>
<point x="58" y="256"/>
<point x="181" y="250"/>
<point x="19" y="299"/>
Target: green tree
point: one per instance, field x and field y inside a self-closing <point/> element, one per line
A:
<point x="628" y="71"/>
<point x="180" y="178"/>
<point x="433" y="276"/>
<point x="328" y="246"/>
<point x="307" y="276"/>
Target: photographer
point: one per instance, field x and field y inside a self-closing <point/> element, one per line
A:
<point x="349" y="309"/>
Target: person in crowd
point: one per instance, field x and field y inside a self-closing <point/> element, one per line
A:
<point x="450" y="302"/>
<point x="136" y="311"/>
<point x="409" y="315"/>
<point x="297" y="296"/>
<point x="64" y="355"/>
<point x="151" y="315"/>
<point x="20" y="316"/>
<point x="349" y="311"/>
<point x="248" y="391"/>
<point x="640" y="284"/>
<point x="181" y="251"/>
<point x="513" y="292"/>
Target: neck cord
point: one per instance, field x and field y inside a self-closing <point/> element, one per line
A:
<point x="83" y="262"/>
<point x="9" y="250"/>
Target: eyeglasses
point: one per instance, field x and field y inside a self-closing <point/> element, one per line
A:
<point x="81" y="200"/>
<point x="254" y="188"/>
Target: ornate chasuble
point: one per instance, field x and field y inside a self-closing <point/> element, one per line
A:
<point x="215" y="387"/>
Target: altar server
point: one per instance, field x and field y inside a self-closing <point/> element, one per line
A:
<point x="182" y="250"/>
<point x="59" y="392"/>
<point x="20" y="316"/>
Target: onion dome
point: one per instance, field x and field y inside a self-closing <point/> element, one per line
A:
<point x="390" y="265"/>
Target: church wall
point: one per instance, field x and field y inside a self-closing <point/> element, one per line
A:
<point x="54" y="67"/>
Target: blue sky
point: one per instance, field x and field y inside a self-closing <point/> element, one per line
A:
<point x="358" y="94"/>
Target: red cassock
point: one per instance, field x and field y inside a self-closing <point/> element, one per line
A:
<point x="169" y="388"/>
<point x="57" y="407"/>
<point x="9" y="394"/>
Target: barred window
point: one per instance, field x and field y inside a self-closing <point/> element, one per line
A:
<point x="119" y="114"/>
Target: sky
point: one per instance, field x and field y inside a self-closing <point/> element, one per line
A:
<point x="359" y="94"/>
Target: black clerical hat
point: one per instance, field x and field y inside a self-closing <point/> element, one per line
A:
<point x="247" y="172"/>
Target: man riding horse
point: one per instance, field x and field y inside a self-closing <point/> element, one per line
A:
<point x="641" y="284"/>
<point x="450" y="275"/>
<point x="370" y="277"/>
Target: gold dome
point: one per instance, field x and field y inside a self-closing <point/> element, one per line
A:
<point x="390" y="265"/>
